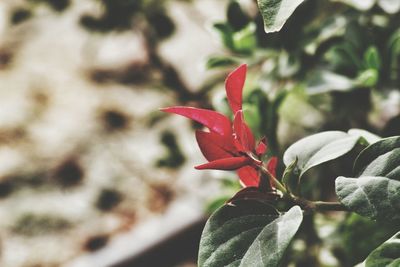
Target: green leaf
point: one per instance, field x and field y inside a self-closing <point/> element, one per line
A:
<point x="356" y="246"/>
<point x="386" y="255"/>
<point x="276" y="12"/>
<point x="367" y="78"/>
<point x="287" y="65"/>
<point x="375" y="197"/>
<point x="323" y="81"/>
<point x="380" y="159"/>
<point x="220" y="61"/>
<point x="236" y="17"/>
<point x="289" y="177"/>
<point x="394" y="50"/>
<point x="333" y="27"/>
<point x="376" y="192"/>
<point x="248" y="233"/>
<point x="372" y="58"/>
<point x="244" y="41"/>
<point x="320" y="148"/>
<point x="226" y="34"/>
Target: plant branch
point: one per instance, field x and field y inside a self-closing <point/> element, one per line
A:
<point x="303" y="203"/>
<point x="275" y="181"/>
<point x="317" y="205"/>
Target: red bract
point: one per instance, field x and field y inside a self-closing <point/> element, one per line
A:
<point x="227" y="145"/>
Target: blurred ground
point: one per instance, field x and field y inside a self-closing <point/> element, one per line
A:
<point x="81" y="135"/>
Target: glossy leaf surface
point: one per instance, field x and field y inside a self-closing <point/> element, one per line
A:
<point x="247" y="233"/>
<point x="375" y="192"/>
<point x="319" y="148"/>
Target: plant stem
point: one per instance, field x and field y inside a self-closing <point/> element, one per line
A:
<point x="329" y="206"/>
<point x="317" y="205"/>
<point x="304" y="203"/>
<point x="278" y="184"/>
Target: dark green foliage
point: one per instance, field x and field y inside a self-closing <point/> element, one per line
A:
<point x="375" y="192"/>
<point x="343" y="62"/>
<point x="247" y="233"/>
<point x="117" y="15"/>
<point x="237" y="18"/>
<point x="122" y="15"/>
<point x="174" y="157"/>
<point x="387" y="254"/>
<point x="267" y="110"/>
<point x="220" y="61"/>
<point x="355" y="244"/>
<point x="161" y="23"/>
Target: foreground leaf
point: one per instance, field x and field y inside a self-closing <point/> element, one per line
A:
<point x="380" y="159"/>
<point x="248" y="233"/>
<point x="376" y="192"/>
<point x="377" y="198"/>
<point x="276" y="12"/>
<point x="388" y="254"/>
<point x="320" y="148"/>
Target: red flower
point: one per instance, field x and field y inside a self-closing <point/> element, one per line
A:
<point x="227" y="145"/>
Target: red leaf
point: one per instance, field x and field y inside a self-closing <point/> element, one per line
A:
<point x="214" y="146"/>
<point x="248" y="176"/>
<point x="261" y="147"/>
<point x="234" y="87"/>
<point x="215" y="121"/>
<point x="226" y="164"/>
<point x="271" y="165"/>
<point x="243" y="132"/>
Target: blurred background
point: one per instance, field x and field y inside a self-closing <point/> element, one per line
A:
<point x="92" y="174"/>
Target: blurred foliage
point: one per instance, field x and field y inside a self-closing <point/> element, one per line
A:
<point x="129" y="14"/>
<point x="115" y="15"/>
<point x="32" y="224"/>
<point x="23" y="13"/>
<point x="230" y="187"/>
<point x="355" y="245"/>
<point x="174" y="157"/>
<point x="326" y="47"/>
